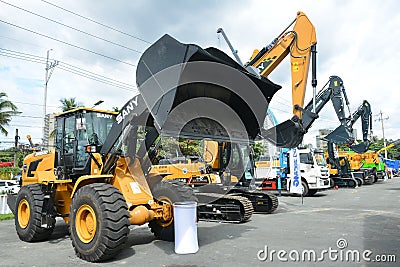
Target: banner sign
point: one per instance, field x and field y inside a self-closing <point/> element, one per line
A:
<point x="295" y="176"/>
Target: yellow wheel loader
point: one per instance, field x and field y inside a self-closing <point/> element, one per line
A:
<point x="98" y="194"/>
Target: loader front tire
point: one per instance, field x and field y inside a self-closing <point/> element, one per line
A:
<point x="99" y="222"/>
<point x="169" y="193"/>
<point x="28" y="215"/>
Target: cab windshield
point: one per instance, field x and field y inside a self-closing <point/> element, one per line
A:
<point x="98" y="126"/>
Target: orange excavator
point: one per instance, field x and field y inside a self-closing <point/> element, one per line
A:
<point x="300" y="43"/>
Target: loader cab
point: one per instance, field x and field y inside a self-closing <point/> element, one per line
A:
<point x="75" y="129"/>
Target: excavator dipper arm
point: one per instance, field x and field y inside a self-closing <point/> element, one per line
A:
<point x="300" y="43"/>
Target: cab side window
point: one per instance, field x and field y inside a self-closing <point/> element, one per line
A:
<point x="69" y="137"/>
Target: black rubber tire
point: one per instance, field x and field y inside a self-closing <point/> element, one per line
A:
<point x="34" y="196"/>
<point x="359" y="181"/>
<point x="332" y="182"/>
<point x="352" y="183"/>
<point x="370" y="180"/>
<point x="305" y="188"/>
<point x="312" y="192"/>
<point x="174" y="191"/>
<point x="112" y="222"/>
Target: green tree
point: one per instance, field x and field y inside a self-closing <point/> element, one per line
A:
<point x="7" y="110"/>
<point x="69" y="103"/>
<point x="190" y="147"/>
<point x="258" y="149"/>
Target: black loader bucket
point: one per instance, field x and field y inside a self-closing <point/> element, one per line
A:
<point x="201" y="93"/>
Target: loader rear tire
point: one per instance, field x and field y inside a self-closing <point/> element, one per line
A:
<point x="99" y="222"/>
<point x="28" y="215"/>
<point x="169" y="192"/>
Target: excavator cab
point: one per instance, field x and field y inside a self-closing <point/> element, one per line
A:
<point x="75" y="130"/>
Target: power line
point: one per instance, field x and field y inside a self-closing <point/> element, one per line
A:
<point x="20" y="41"/>
<point x="73" y="28"/>
<point x="66" y="43"/>
<point x="99" y="23"/>
<point x="69" y="68"/>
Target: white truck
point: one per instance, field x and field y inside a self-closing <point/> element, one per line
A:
<point x="313" y="169"/>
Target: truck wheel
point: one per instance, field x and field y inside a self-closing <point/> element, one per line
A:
<point x="169" y="193"/>
<point x="99" y="222"/>
<point x="312" y="192"/>
<point x="359" y="181"/>
<point x="28" y="215"/>
<point x="305" y="188"/>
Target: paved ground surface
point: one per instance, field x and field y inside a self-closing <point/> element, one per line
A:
<point x="366" y="218"/>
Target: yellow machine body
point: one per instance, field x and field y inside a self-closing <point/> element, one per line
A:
<point x="39" y="168"/>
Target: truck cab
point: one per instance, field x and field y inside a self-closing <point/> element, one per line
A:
<point x="313" y="169"/>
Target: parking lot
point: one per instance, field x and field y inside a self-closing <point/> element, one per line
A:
<point x="348" y="221"/>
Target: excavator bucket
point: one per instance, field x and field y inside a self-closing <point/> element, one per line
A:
<point x="360" y="148"/>
<point x="286" y="134"/>
<point x="340" y="136"/>
<point x="201" y="93"/>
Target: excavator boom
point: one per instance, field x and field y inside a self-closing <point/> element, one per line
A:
<point x="300" y="44"/>
<point x="346" y="128"/>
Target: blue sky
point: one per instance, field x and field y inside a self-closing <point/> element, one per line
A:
<point x="357" y="40"/>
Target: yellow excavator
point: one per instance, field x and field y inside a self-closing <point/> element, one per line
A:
<point x="300" y="43"/>
<point x="226" y="168"/>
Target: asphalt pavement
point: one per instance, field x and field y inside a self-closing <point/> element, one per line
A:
<point x="345" y="227"/>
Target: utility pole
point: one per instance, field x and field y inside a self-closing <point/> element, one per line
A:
<point x="49" y="70"/>
<point x="381" y="119"/>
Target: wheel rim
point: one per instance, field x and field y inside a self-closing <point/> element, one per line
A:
<point x="24" y="213"/>
<point x="85" y="223"/>
<point x="167" y="203"/>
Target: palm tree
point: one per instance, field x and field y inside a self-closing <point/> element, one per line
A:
<point x="69" y="103"/>
<point x="7" y="110"/>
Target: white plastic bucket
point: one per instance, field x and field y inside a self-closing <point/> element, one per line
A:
<point x="185" y="227"/>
